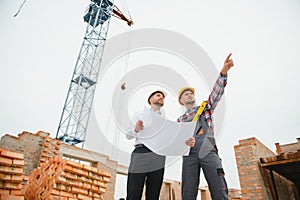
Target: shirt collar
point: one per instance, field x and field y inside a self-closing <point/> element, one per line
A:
<point x="157" y="111"/>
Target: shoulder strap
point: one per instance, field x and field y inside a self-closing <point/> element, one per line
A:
<point x="200" y="110"/>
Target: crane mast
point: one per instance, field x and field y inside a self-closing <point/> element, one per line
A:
<point x="78" y="105"/>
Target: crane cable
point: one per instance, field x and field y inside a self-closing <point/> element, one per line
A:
<point x="124" y="4"/>
<point x="20" y="8"/>
<point x="121" y="109"/>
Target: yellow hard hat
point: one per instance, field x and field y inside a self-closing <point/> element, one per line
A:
<point x="182" y="90"/>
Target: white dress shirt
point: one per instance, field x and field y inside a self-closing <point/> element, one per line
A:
<point x="145" y="117"/>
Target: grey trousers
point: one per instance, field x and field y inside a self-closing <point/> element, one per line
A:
<point x="203" y="156"/>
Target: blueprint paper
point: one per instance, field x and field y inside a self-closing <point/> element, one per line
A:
<point x="166" y="137"/>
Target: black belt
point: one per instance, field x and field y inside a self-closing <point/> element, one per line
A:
<point x="139" y="145"/>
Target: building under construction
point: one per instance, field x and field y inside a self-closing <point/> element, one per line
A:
<point x="267" y="175"/>
<point x="38" y="167"/>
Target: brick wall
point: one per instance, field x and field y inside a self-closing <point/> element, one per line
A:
<point x="11" y="175"/>
<point x="204" y="193"/>
<point x="255" y="181"/>
<point x="170" y="190"/>
<point x="59" y="179"/>
<point x="252" y="181"/>
<point x="96" y="160"/>
<point x="30" y="145"/>
<point x="234" y="194"/>
<point x="39" y="148"/>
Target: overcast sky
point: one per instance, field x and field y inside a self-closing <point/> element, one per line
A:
<point x="40" y="46"/>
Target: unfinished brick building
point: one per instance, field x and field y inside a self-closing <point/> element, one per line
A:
<point x="266" y="175"/>
<point x="33" y="166"/>
<point x="38" y="167"/>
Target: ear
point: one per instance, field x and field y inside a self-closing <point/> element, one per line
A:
<point x="180" y="102"/>
<point x="151" y="99"/>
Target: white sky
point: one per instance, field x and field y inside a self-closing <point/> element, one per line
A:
<point x="40" y="46"/>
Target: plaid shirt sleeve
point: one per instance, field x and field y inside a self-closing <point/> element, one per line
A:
<point x="217" y="92"/>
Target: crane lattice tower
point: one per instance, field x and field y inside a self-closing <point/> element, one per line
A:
<point x="78" y="105"/>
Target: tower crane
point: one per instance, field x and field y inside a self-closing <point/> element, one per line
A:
<point x="78" y="104"/>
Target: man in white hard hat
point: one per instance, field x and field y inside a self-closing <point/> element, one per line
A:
<point x="203" y="153"/>
<point x="146" y="167"/>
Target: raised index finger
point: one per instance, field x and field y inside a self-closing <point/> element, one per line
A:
<point x="228" y="57"/>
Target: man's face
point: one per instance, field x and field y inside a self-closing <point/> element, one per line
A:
<point x="187" y="98"/>
<point x="157" y="99"/>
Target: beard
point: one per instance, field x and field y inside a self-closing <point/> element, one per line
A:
<point x="188" y="102"/>
<point x="158" y="103"/>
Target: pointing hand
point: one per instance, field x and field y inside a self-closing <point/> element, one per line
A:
<point x="228" y="63"/>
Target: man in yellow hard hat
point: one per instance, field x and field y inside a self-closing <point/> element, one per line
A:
<point x="203" y="153"/>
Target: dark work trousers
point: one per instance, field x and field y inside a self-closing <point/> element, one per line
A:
<point x="146" y="168"/>
<point x="203" y="156"/>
